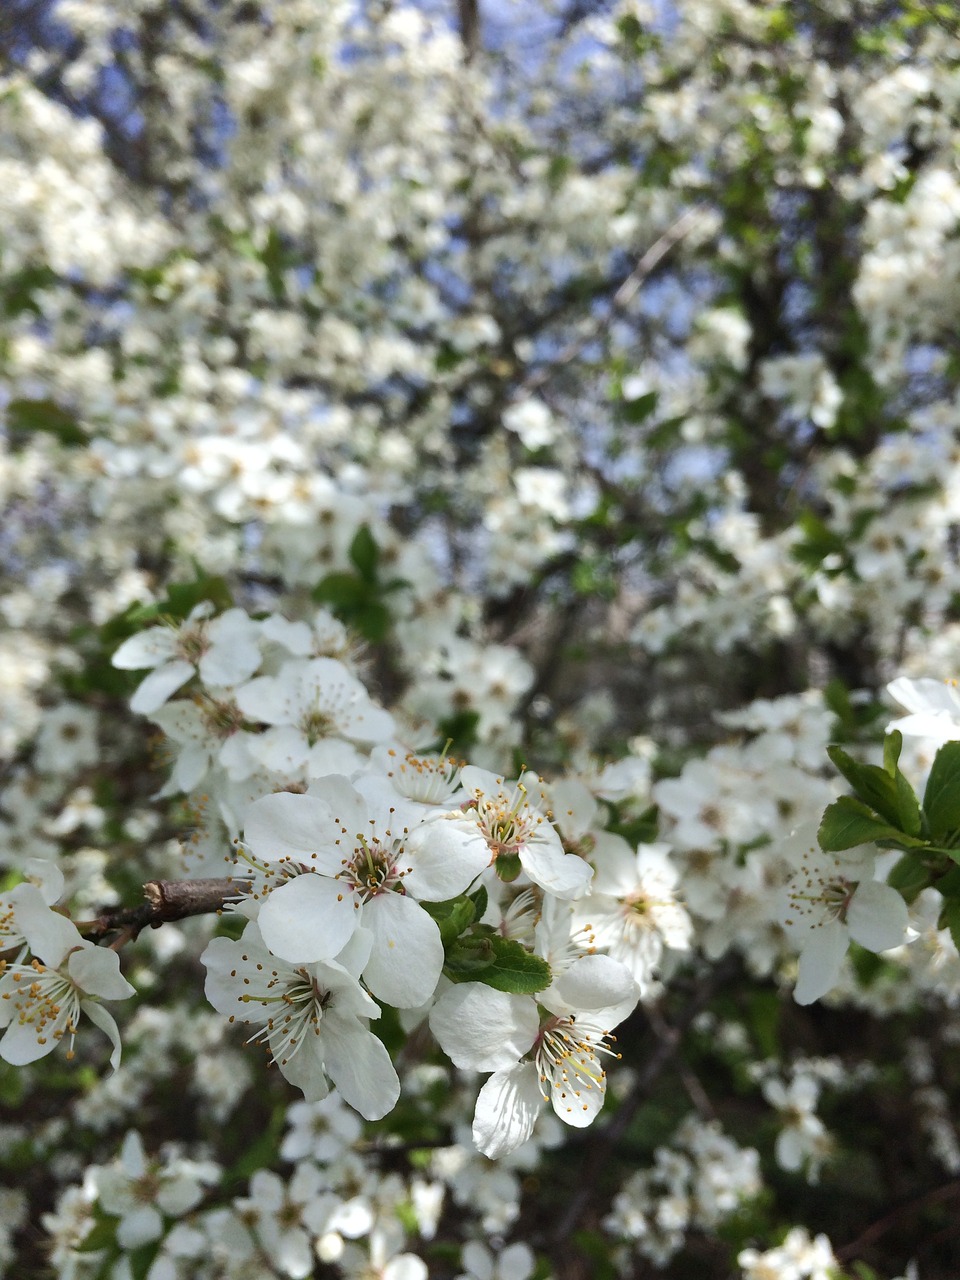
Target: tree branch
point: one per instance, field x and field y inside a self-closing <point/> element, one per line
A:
<point x="166" y="900"/>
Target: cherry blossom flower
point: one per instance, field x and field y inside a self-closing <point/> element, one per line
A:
<point x="633" y="910"/>
<point x="223" y="650"/>
<point x="313" y="709"/>
<point x="41" y="1000"/>
<point x="312" y="1018"/>
<point x="517" y="832"/>
<point x="831" y="899"/>
<point x="559" y="1054"/>
<point x="141" y="1191"/>
<point x="359" y="855"/>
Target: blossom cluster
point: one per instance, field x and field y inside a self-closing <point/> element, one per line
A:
<point x="457" y="487"/>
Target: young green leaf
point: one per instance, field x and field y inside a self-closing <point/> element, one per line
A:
<point x="941" y="800"/>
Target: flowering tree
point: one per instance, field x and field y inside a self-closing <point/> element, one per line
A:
<point x="480" y="569"/>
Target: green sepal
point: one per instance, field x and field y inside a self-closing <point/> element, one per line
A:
<point x="468" y="957"/>
<point x="508" y="867"/>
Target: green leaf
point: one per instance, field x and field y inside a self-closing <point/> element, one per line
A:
<point x="643" y="829"/>
<point x="341" y="591"/>
<point x="909" y="877"/>
<point x="640" y="409"/>
<point x="365" y="554"/>
<point x="502" y="963"/>
<point x="893" y="800"/>
<point x="459" y="731"/>
<point x="182" y="597"/>
<point x="47" y="417"/>
<point x="453" y="917"/>
<point x="892" y="746"/>
<point x="950" y="919"/>
<point x="479" y="900"/>
<point x="949" y="883"/>
<point x="515" y="969"/>
<point x="849" y="822"/>
<point x="941" y="800"/>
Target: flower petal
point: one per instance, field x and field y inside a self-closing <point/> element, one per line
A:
<point x="146" y="649"/>
<point x="96" y="970"/>
<point x="820" y="961"/>
<point x="159" y="685"/>
<point x="307" y="919"/>
<point x="562" y="874"/>
<point x="293" y="827"/>
<point x="360" y="1067"/>
<point x="877" y="916"/>
<point x="407" y="956"/>
<point x="446" y="857"/>
<point x="482" y="1029"/>
<point x="507" y="1110"/>
<point x="101" y="1018"/>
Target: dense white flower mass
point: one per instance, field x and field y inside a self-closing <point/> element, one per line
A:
<point x="473" y="479"/>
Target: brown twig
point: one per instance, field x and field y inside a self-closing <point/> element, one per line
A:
<point x="166" y="900"/>
<point x="648" y="262"/>
<point x="891" y="1219"/>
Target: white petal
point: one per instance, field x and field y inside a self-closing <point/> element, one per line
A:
<point x="19" y="1044"/>
<point x="483" y="1029"/>
<point x="282" y="748"/>
<point x="305" y="1071"/>
<point x="877" y="916"/>
<point x="227" y="665"/>
<point x="296" y="637"/>
<point x="293" y="827"/>
<point x="507" y="1110"/>
<point x="820" y="961"/>
<point x="309" y="918"/>
<point x="562" y="874"/>
<point x="192" y="765"/>
<point x="360" y="1067"/>
<point x="578" y="1099"/>
<point x="517" y="1262"/>
<point x="407" y="956"/>
<point x="266" y="698"/>
<point x="99" y="1016"/>
<point x="477" y="1259"/>
<point x="147" y="649"/>
<point x="139" y="1226"/>
<point x="446" y="858"/>
<point x="333" y="755"/>
<point x="595" y="982"/>
<point x="159" y="685"/>
<point x="925" y="695"/>
<point x="96" y="970"/>
<point x="49" y="935"/>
